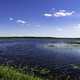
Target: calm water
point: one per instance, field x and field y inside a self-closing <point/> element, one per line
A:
<point x="41" y="52"/>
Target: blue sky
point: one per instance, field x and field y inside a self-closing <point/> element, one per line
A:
<point x="54" y="18"/>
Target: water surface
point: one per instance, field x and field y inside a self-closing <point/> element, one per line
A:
<point x="39" y="51"/>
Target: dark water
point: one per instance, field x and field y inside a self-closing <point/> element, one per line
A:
<point x="39" y="52"/>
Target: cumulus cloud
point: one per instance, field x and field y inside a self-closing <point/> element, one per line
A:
<point x="48" y="14"/>
<point x="59" y="13"/>
<point x="21" y="21"/>
<point x="18" y="20"/>
<point x="63" y="13"/>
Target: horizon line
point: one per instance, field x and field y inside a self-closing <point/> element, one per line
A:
<point x="36" y="37"/>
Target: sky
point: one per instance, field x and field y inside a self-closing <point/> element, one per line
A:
<point x="44" y="18"/>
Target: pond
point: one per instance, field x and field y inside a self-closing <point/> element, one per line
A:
<point x="39" y="51"/>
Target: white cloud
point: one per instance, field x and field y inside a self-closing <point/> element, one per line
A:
<point x="63" y="13"/>
<point x="18" y="20"/>
<point x="47" y="14"/>
<point x="11" y="19"/>
<point x="59" y="13"/>
<point x="21" y="21"/>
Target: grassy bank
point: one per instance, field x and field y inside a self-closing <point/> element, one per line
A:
<point x="10" y="73"/>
